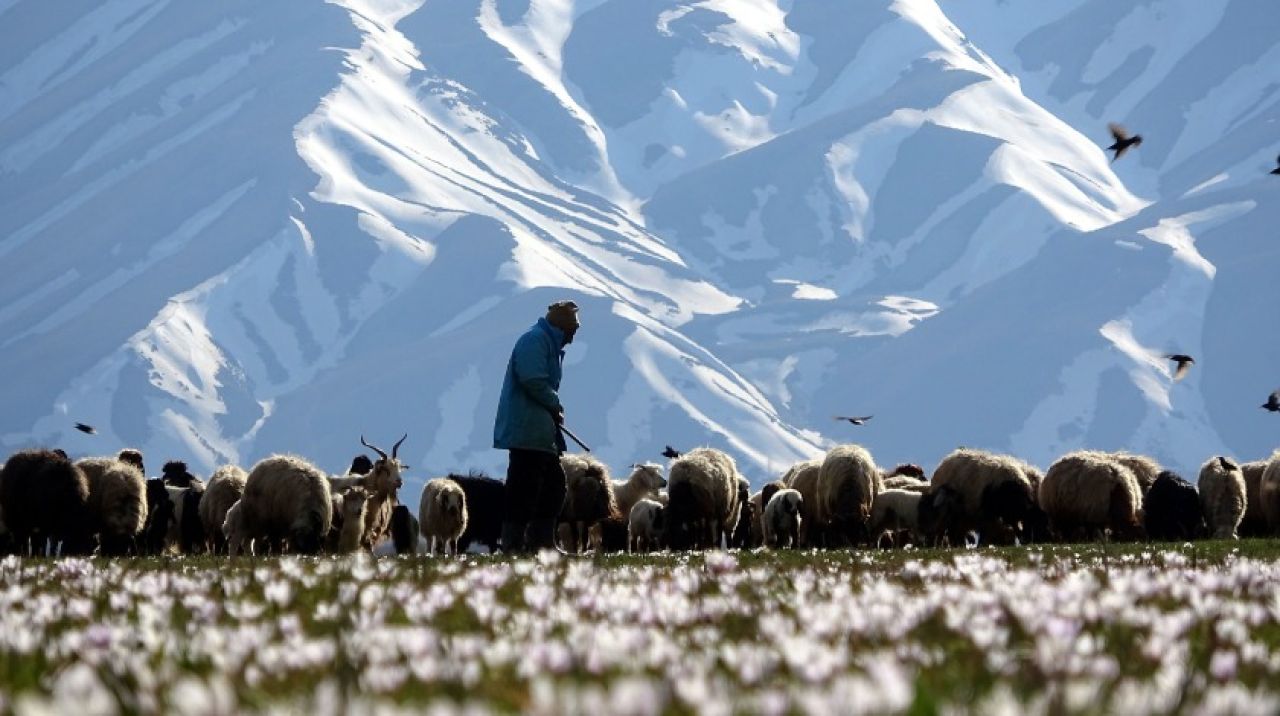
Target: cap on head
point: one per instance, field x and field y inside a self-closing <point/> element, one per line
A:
<point x="562" y="310"/>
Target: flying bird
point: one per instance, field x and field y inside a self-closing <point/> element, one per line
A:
<point x="670" y="453"/>
<point x="1184" y="364"/>
<point x="1277" y="169"/>
<point x="855" y="421"/>
<point x="89" y="429"/>
<point x="1123" y="140"/>
<point x="1273" y="402"/>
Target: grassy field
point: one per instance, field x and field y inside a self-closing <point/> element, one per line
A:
<point x="1065" y="629"/>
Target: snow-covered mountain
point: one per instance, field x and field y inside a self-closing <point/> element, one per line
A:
<point x="237" y="228"/>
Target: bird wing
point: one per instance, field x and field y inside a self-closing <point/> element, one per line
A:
<point x="1120" y="151"/>
<point x="1181" y="372"/>
<point x="1118" y="131"/>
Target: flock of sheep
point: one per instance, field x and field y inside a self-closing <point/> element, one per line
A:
<point x="52" y="504"/>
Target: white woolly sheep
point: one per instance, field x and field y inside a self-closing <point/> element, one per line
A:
<point x="1145" y="469"/>
<point x="703" y="488"/>
<point x="286" y="499"/>
<point x="226" y="486"/>
<point x="1222" y="494"/>
<point x="1254" y="522"/>
<point x="783" y="519"/>
<point x="442" y="513"/>
<point x="645" y="481"/>
<point x="847" y="485"/>
<point x="759" y="501"/>
<point x="1269" y="493"/>
<point x="646" y="526"/>
<point x="1087" y="493"/>
<point x="117" y="503"/>
<point x="894" y="513"/>
<point x="996" y="496"/>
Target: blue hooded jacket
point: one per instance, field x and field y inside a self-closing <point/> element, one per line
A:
<point x="529" y="396"/>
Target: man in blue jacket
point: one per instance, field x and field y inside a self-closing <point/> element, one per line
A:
<point x="528" y="425"/>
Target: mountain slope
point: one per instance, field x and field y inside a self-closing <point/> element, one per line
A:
<point x="246" y="229"/>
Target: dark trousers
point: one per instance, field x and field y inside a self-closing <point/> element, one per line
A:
<point x="535" y="486"/>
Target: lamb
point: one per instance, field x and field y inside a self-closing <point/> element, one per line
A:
<point x="782" y="519"/>
<point x="896" y="513"/>
<point x="405" y="530"/>
<point x="1171" y="509"/>
<point x="117" y="503"/>
<point x="443" y="514"/>
<point x="803" y="478"/>
<point x="646" y="526"/>
<point x="705" y="507"/>
<point x="175" y="474"/>
<point x="848" y="482"/>
<point x="285" y="498"/>
<point x="354" y="502"/>
<point x="996" y="497"/>
<point x="1087" y="494"/>
<point x="1269" y="493"/>
<point x="1145" y="469"/>
<point x="1254" y="523"/>
<point x="226" y="487"/>
<point x="758" y="501"/>
<point x="644" y="482"/>
<point x="1222" y="495"/>
<point x="485" y="505"/>
<point x="43" y="495"/>
<point x="382" y="483"/>
<point x="588" y="499"/>
<point x="234" y="531"/>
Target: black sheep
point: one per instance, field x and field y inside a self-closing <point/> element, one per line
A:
<point x="741" y="535"/>
<point x="44" y="496"/>
<point x="1172" y="509"/>
<point x="404" y="530"/>
<point x="485" y="504"/>
<point x="176" y="475"/>
<point x="159" y="515"/>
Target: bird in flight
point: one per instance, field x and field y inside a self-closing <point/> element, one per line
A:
<point x="1277" y="169"/>
<point x="1123" y="140"/>
<point x="88" y="429"/>
<point x="1184" y="364"/>
<point x="670" y="453"/>
<point x="1273" y="402"/>
<point x="856" y="420"/>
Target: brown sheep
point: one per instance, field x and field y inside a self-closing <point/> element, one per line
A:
<point x="1088" y="494"/>
<point x="703" y="504"/>
<point x="848" y="483"/>
<point x="803" y="478"/>
<point x="1254" y="523"/>
<point x="997" y="499"/>
<point x="44" y="496"/>
<point x="117" y="503"/>
<point x="286" y="499"/>
<point x="226" y="487"/>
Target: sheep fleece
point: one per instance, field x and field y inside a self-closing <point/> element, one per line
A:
<point x="1222" y="493"/>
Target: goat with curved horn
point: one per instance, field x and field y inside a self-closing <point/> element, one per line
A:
<point x="378" y="450"/>
<point x="396" y="447"/>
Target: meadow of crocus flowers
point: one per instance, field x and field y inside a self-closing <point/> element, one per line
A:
<point x="1063" y="629"/>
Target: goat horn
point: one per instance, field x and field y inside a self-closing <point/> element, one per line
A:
<point x="373" y="448"/>
<point x="396" y="447"/>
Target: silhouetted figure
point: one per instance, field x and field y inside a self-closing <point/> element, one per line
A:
<point x="856" y="421"/>
<point x="670" y="453"/>
<point x="1123" y="140"/>
<point x="1273" y="402"/>
<point x="1184" y="364"/>
<point x="88" y="429"/>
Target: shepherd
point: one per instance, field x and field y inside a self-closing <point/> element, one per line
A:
<point x="528" y="426"/>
